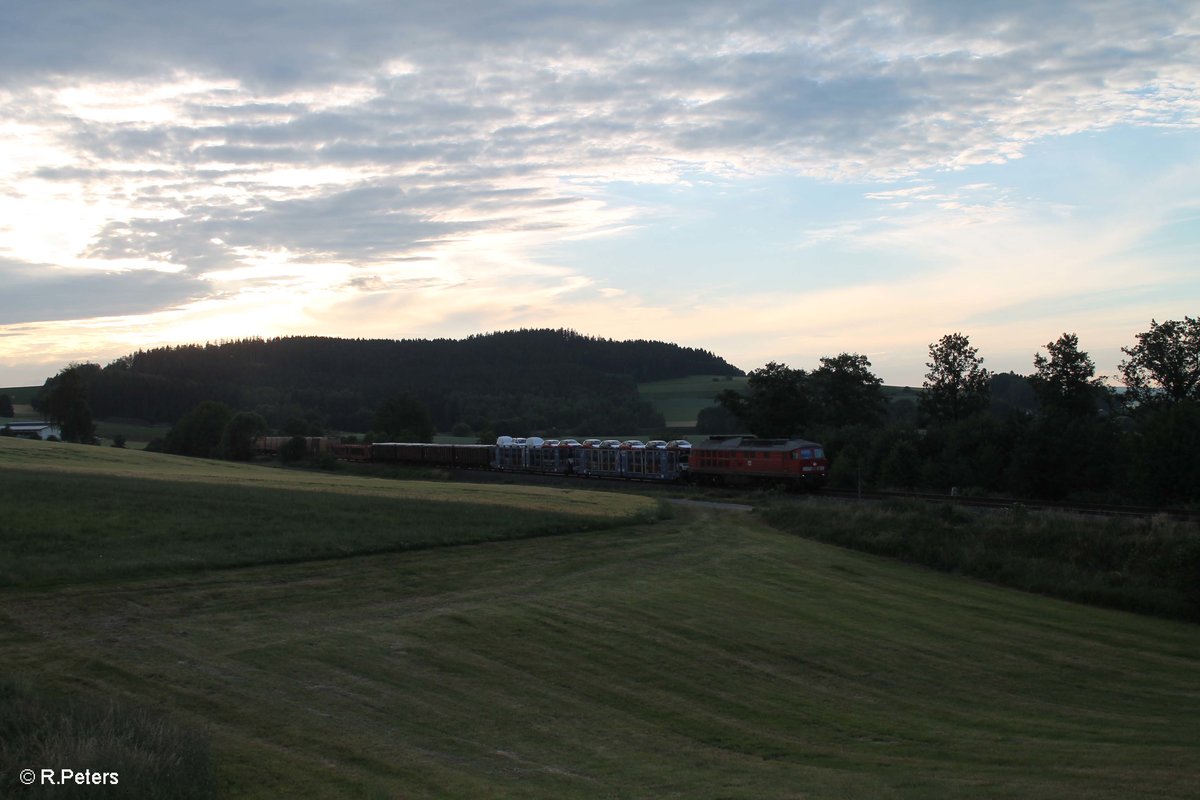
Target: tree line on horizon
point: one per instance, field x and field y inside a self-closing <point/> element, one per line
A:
<point x="1058" y="433"/>
<point x="514" y="380"/>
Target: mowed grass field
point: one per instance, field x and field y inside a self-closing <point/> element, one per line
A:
<point x="74" y="512"/>
<point x="704" y="656"/>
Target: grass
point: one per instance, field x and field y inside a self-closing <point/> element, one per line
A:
<point x="77" y="513"/>
<point x="22" y="395"/>
<point x="681" y="399"/>
<point x="74" y="460"/>
<point x="137" y="434"/>
<point x="136" y="753"/>
<point x="706" y="656"/>
<point x="1144" y="565"/>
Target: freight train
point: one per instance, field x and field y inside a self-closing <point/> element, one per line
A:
<point x="720" y="460"/>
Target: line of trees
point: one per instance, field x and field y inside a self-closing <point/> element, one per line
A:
<point x="516" y="380"/>
<point x="214" y="430"/>
<point x="1057" y="433"/>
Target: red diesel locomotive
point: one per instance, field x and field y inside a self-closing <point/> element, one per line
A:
<point x="746" y="459"/>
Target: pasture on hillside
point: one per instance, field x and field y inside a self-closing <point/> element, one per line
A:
<point x="704" y="656"/>
<point x="21" y="395"/>
<point x="681" y="399"/>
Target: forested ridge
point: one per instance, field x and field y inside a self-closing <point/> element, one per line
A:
<point x="518" y="380"/>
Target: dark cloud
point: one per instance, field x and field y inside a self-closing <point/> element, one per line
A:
<point x="39" y="292"/>
<point x="367" y="223"/>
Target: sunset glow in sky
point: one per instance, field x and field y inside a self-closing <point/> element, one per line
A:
<point x="772" y="181"/>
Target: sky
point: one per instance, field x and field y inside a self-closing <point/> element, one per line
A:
<point x="771" y="181"/>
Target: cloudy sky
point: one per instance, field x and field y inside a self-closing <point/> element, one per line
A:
<point x="768" y="180"/>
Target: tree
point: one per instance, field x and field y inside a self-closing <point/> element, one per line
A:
<point x="237" y="438"/>
<point x="1065" y="382"/>
<point x="1060" y="456"/>
<point x="1164" y="366"/>
<point x="404" y="418"/>
<point x="1010" y="393"/>
<point x="778" y="401"/>
<point x="6" y="406"/>
<point x="956" y="385"/>
<point x="199" y="432"/>
<point x="717" y="420"/>
<point x="295" y="426"/>
<point x="1166" y="468"/>
<point x="847" y="392"/>
<point x="64" y="399"/>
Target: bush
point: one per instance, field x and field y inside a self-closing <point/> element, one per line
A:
<point x="199" y="432"/>
<point x="237" y="438"/>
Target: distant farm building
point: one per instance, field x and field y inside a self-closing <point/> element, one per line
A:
<point x="32" y="430"/>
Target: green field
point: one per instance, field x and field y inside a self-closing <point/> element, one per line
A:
<point x="74" y="512"/>
<point x="21" y="395"/>
<point x="704" y="656"/>
<point x="681" y="399"/>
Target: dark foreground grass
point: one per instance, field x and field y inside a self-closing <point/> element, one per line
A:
<point x="704" y="657"/>
<point x="69" y="527"/>
<point x="128" y="751"/>
<point x="1149" y="565"/>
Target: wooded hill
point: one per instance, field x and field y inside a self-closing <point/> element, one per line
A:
<point x="517" y="381"/>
